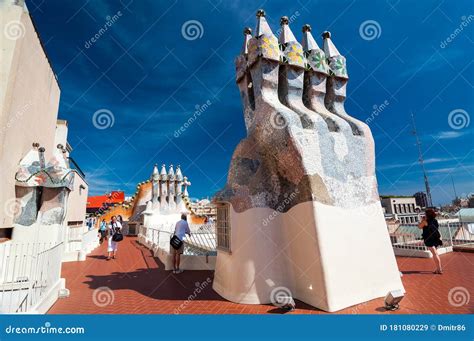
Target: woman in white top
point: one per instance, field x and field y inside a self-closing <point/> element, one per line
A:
<point x="115" y="226"/>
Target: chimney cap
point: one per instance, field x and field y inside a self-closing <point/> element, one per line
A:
<point x="306" y="28"/>
<point x="326" y="34"/>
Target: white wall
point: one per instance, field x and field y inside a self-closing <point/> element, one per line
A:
<point x="326" y="256"/>
<point x="29" y="100"/>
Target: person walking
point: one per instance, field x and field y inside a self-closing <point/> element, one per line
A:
<point x="180" y="230"/>
<point x="102" y="231"/>
<point x="432" y="237"/>
<point x="114" y="228"/>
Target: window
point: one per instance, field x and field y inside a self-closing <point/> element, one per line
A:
<point x="223" y="227"/>
<point x="5" y="234"/>
<point x="77" y="223"/>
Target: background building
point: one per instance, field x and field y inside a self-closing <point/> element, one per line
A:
<point x="421" y="199"/>
<point x="95" y="203"/>
<point x="403" y="209"/>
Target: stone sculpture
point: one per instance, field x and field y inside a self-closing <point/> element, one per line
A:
<point x="42" y="190"/>
<point x="302" y="193"/>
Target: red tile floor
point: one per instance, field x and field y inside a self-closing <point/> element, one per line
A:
<point x="136" y="283"/>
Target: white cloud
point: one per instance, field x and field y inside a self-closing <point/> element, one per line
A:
<point x="410" y="164"/>
<point x="450" y="134"/>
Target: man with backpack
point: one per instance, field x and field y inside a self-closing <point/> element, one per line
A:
<point x="115" y="236"/>
<point x="177" y="245"/>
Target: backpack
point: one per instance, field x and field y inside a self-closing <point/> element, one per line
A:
<point x="117" y="236"/>
<point x="175" y="242"/>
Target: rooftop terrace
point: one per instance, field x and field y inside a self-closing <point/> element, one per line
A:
<point x="136" y="283"/>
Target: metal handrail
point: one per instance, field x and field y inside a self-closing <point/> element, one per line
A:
<point x="202" y="240"/>
<point x="27" y="272"/>
<point x="452" y="234"/>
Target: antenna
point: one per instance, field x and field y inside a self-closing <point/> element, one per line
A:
<point x="422" y="163"/>
<point x="454" y="188"/>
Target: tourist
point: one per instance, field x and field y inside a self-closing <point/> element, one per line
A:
<point x="432" y="237"/>
<point x="180" y="230"/>
<point x="102" y="230"/>
<point x="114" y="227"/>
<point x="89" y="223"/>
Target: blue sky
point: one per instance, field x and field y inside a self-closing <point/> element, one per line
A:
<point x="145" y="74"/>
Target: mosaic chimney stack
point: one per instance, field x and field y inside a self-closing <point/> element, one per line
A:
<point x="42" y="190"/>
<point x="302" y="180"/>
<point x="178" y="183"/>
<point x="155" y="189"/>
<point x="167" y="190"/>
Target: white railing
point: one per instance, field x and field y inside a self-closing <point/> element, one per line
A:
<point x="201" y="242"/>
<point x="28" y="271"/>
<point x="452" y="234"/>
<point x="74" y="237"/>
<point x="202" y="239"/>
